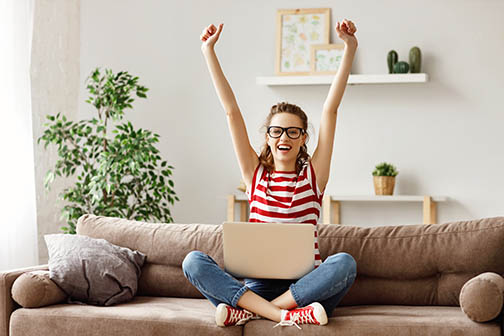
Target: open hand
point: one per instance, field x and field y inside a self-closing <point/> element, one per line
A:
<point x="346" y="30"/>
<point x="210" y="35"/>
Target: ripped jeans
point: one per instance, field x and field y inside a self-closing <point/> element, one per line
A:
<point x="327" y="284"/>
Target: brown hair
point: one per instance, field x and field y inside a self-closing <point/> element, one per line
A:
<point x="266" y="158"/>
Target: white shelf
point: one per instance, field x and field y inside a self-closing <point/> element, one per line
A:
<point x="331" y="213"/>
<point x="392" y="198"/>
<point x="371" y="198"/>
<point x="352" y="79"/>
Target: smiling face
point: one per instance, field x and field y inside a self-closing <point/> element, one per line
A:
<point x="284" y="149"/>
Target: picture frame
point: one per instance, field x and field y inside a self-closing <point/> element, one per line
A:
<point x="297" y="30"/>
<point x="326" y="58"/>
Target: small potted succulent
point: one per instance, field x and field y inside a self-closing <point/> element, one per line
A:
<point x="384" y="178"/>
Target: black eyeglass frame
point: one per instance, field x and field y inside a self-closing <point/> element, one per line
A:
<point x="285" y="129"/>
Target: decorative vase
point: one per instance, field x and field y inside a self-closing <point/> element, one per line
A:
<point x="415" y="60"/>
<point x="392" y="58"/>
<point x="384" y="185"/>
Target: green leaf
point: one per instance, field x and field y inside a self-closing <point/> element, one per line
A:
<point x="49" y="178"/>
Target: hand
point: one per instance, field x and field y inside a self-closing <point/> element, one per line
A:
<point x="346" y="31"/>
<point x="210" y="35"/>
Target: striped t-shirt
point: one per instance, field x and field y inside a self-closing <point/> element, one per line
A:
<point x="285" y="197"/>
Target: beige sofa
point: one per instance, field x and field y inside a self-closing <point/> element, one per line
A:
<point x="409" y="283"/>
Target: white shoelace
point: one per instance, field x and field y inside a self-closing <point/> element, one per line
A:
<point x="303" y="317"/>
<point x="242" y="315"/>
<point x="287" y="324"/>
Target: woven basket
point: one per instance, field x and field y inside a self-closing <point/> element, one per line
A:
<point x="384" y="185"/>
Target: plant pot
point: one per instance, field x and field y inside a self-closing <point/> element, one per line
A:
<point x="384" y="185"/>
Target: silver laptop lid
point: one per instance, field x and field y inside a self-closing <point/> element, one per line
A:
<point x="268" y="250"/>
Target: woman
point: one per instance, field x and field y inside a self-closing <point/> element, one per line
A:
<point x="284" y="184"/>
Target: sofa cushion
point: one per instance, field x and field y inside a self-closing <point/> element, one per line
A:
<point x="165" y="280"/>
<point x="165" y="244"/>
<point x="139" y="317"/>
<point x="93" y="270"/>
<point x="481" y="298"/>
<point x="385" y="320"/>
<point x="36" y="289"/>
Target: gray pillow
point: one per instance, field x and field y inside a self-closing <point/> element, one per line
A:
<point x="93" y="270"/>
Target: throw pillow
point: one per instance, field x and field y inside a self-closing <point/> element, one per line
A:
<point x="93" y="270"/>
<point x="481" y="297"/>
<point x="36" y="289"/>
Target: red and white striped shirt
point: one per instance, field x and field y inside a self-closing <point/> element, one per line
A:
<point x="285" y="197"/>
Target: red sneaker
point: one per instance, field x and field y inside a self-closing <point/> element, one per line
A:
<point x="311" y="314"/>
<point x="226" y="315"/>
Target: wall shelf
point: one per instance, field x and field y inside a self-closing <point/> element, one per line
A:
<point x="331" y="205"/>
<point x="352" y="79"/>
<point x="392" y="198"/>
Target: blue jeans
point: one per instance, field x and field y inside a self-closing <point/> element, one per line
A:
<point x="327" y="284"/>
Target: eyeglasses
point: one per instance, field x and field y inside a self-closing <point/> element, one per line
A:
<point x="292" y="132"/>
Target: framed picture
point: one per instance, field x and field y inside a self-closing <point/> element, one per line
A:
<point x="326" y="58"/>
<point x="297" y="30"/>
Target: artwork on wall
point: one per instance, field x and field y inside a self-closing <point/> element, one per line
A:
<point x="297" y="30"/>
<point x="326" y="58"/>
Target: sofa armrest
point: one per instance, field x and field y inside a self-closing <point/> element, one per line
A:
<point x="7" y="304"/>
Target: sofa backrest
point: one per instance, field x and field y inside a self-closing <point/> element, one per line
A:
<point x="410" y="264"/>
<point x="417" y="264"/>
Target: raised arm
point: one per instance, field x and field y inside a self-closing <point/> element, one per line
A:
<point x="247" y="157"/>
<point x="321" y="159"/>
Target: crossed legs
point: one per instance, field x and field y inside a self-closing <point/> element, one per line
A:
<point x="326" y="284"/>
<point x="268" y="309"/>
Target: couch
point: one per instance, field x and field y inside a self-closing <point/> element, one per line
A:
<point x="412" y="280"/>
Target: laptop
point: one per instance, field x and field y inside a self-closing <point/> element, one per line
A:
<point x="268" y="250"/>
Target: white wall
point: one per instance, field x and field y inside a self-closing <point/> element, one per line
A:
<point x="444" y="136"/>
<point x="55" y="81"/>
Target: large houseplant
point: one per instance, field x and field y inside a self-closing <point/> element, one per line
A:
<point x="120" y="176"/>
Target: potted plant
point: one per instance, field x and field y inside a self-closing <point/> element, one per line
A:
<point x="119" y="176"/>
<point x="384" y="178"/>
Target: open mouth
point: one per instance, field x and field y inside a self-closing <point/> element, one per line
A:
<point x="284" y="148"/>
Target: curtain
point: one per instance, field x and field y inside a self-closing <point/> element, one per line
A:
<point x="18" y="220"/>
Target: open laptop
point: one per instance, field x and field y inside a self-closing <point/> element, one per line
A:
<point x="268" y="250"/>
